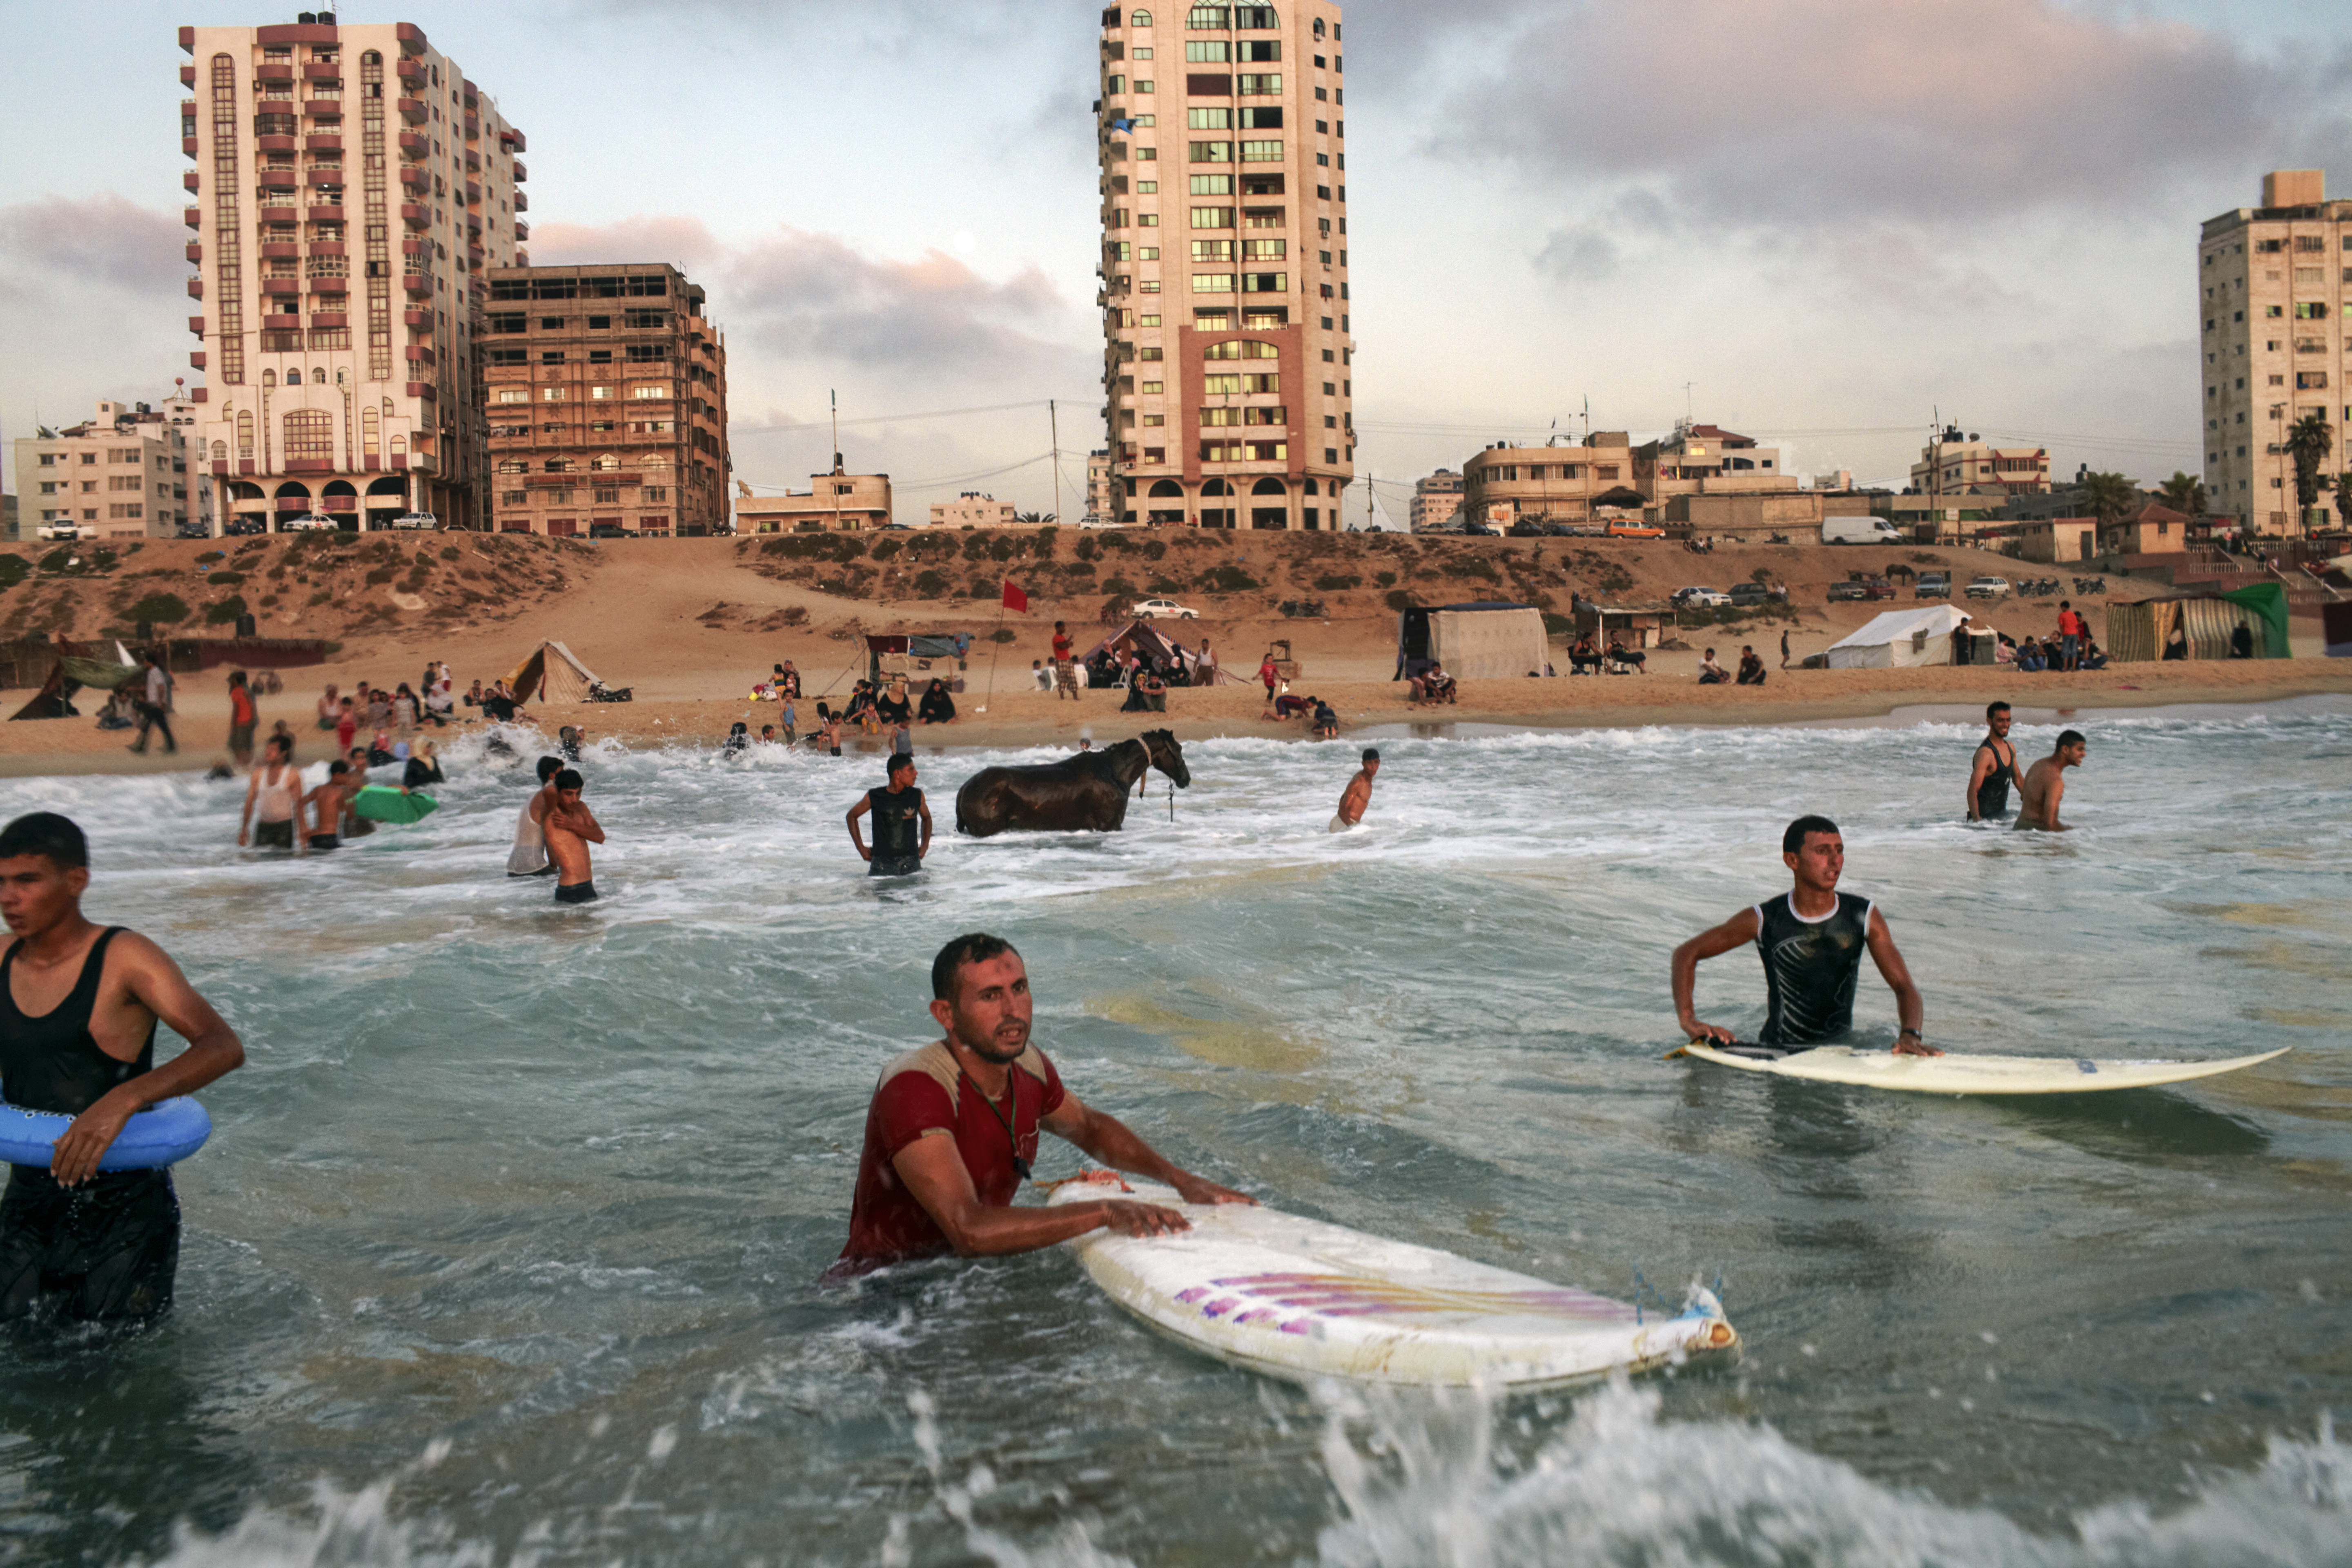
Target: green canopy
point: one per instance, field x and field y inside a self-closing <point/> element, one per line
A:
<point x="2267" y="603"/>
<point x="104" y="673"/>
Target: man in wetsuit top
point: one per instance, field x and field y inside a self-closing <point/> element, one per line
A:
<point x="1995" y="768"/>
<point x="896" y="807"/>
<point x="570" y="828"/>
<point x="529" y="855"/>
<point x="1811" y="939"/>
<point x="2045" y="783"/>
<point x="77" y="1012"/>
<point x="952" y="1130"/>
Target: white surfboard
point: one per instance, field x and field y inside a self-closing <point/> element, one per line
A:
<point x="1299" y="1300"/>
<point x="1954" y="1073"/>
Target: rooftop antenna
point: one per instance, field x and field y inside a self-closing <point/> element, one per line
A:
<point x="1686" y="401"/>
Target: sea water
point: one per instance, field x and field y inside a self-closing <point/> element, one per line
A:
<point x="505" y="1245"/>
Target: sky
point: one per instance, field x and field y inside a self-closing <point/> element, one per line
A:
<point x="1823" y="223"/>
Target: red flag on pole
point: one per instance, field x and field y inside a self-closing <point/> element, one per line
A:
<point x="1014" y="599"/>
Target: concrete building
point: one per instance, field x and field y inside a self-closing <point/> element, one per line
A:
<point x="1227" y="346"/>
<point x="972" y="510"/>
<point x="1098" y="489"/>
<point x="2273" y="283"/>
<point x="837" y="501"/>
<point x="606" y="392"/>
<point x="1436" y="502"/>
<point x="121" y="475"/>
<point x="1606" y="473"/>
<point x="351" y="190"/>
<point x="1952" y="466"/>
<point x="2051" y="542"/>
<point x="1709" y="460"/>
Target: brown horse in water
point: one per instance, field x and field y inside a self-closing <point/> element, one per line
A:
<point x="1086" y="792"/>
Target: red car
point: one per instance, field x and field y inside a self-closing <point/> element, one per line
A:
<point x="1877" y="588"/>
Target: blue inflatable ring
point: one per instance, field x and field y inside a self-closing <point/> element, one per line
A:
<point x="165" y="1134"/>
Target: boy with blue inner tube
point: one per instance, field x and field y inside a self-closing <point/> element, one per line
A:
<point x="78" y="1011"/>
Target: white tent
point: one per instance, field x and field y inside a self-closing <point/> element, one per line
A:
<point x="1919" y="636"/>
<point x="1487" y="640"/>
<point x="551" y="673"/>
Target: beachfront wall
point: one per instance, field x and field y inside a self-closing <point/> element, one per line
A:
<point x="2137" y="632"/>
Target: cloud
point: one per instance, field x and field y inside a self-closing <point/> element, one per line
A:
<point x="685" y="242"/>
<point x="103" y="238"/>
<point x="1944" y="111"/>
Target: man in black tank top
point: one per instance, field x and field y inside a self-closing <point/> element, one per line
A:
<point x="1811" y="939"/>
<point x="1994" y="769"/>
<point x="897" y="808"/>
<point x="78" y="1012"/>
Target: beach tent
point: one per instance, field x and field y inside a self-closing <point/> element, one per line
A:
<point x="1145" y="639"/>
<point x="1922" y="634"/>
<point x="1483" y="640"/>
<point x="552" y="675"/>
<point x="69" y="675"/>
<point x="2137" y="632"/>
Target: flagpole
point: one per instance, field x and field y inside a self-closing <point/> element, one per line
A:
<point x="995" y="648"/>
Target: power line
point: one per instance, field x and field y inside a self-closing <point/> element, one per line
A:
<point x="735" y="429"/>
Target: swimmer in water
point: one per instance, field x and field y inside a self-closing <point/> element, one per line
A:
<point x="1811" y="939"/>
<point x="275" y="791"/>
<point x="1359" y="793"/>
<point x="896" y="807"/>
<point x="570" y="828"/>
<point x="952" y="1130"/>
<point x="79" y="1007"/>
<point x="529" y="855"/>
<point x="2045" y="784"/>
<point x="327" y="805"/>
<point x="1995" y="768"/>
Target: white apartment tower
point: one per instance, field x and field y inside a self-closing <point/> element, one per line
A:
<point x="1227" y="352"/>
<point x="352" y="190"/>
<point x="2274" y="295"/>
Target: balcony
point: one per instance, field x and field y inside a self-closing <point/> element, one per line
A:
<point x="424" y="390"/>
<point x="473" y="123"/>
<point x="419" y="284"/>
<point x="187" y="76"/>
<point x="315" y="71"/>
<point x="329" y="319"/>
<point x="193" y="216"/>
<point x="415" y="145"/>
<point x="473" y="254"/>
<point x="416" y="176"/>
<point x="287" y="323"/>
<point x="281" y="285"/>
<point x="195" y="251"/>
<point x="324" y="109"/>
<point x="418" y="354"/>
<point x="273" y="72"/>
<point x="275" y="143"/>
<point x="411" y="109"/>
<point x="472" y="95"/>
<point x="280" y="213"/>
<point x="520" y="173"/>
<point x="327" y="248"/>
<point x="279" y="179"/>
<point x="196" y="325"/>
<point x="332" y="142"/>
<point x="411" y="36"/>
<point x="417" y="317"/>
<point x="416" y="249"/>
<point x="331" y="178"/>
<point x="333" y="214"/>
<point x="412" y="75"/>
<point x="522" y="229"/>
<point x="473" y="192"/>
<point x="473" y="161"/>
<point x="189" y="180"/>
<point x="196" y="359"/>
<point x="512" y="140"/>
<point x="416" y="214"/>
<point x="196" y="288"/>
<point x="283" y="249"/>
<point x="187" y="146"/>
<point x="522" y="200"/>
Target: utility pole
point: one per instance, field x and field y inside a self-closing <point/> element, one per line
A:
<point x="1053" y="424"/>
<point x="834" y="484"/>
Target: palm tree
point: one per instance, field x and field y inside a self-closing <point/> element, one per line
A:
<point x="2184" y="493"/>
<point x="2309" y="442"/>
<point x="2108" y="496"/>
<point x="2344" y="500"/>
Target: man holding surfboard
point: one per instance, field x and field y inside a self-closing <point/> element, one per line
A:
<point x="1811" y="939"/>
<point x="78" y="1011"/>
<point x="952" y="1128"/>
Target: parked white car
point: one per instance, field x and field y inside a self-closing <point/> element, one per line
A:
<point x="314" y="521"/>
<point x="1145" y="609"/>
<point x="65" y="531"/>
<point x="1988" y="588"/>
<point x="1701" y="598"/>
<point x="415" y="520"/>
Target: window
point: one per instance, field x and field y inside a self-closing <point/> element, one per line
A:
<point x="606" y="496"/>
<point x="503" y="357"/>
<point x="1212" y="283"/>
<point x="1265" y="415"/>
<point x="513" y="497"/>
<point x="1213" y="184"/>
<point x="1212" y="250"/>
<point x="1211" y="153"/>
<point x="550" y="356"/>
<point x="1140" y="54"/>
<point x="1266" y="380"/>
<point x="1260" y="16"/>
<point x="1264" y="250"/>
<point x="1265" y="282"/>
<point x="1212" y="217"/>
<point x="1261" y="119"/>
<point x="514" y="393"/>
<point x="1260" y="49"/>
<point x="600" y="356"/>
<point x="646" y="321"/>
<point x="1258" y="86"/>
<point x="599" y="393"/>
<point x="642" y="353"/>
<point x="1261" y="151"/>
<point x="1239" y="348"/>
<point x="1140" y="20"/>
<point x="1149" y="253"/>
<point x="309" y="435"/>
<point x="656" y="492"/>
<point x="1209" y="119"/>
<point x="551" y="323"/>
<point x="649" y="389"/>
<point x="1208" y="18"/>
<point x="1221" y="385"/>
<point x="1207" y="51"/>
<point x="1147" y="187"/>
<point x="508" y="323"/>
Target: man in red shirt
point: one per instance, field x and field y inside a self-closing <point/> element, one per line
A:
<point x="2071" y="629"/>
<point x="953" y="1126"/>
<point x="1065" y="680"/>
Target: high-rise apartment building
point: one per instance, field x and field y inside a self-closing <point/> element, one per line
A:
<point x="1436" y="501"/>
<point x="1227" y="349"/>
<point x="606" y="389"/>
<point x="2273" y="284"/>
<point x="352" y="190"/>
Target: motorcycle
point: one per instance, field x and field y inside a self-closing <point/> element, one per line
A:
<point x="1303" y="609"/>
<point x="2090" y="584"/>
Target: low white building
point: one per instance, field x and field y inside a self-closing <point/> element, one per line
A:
<point x="121" y="475"/>
<point x="972" y="510"/>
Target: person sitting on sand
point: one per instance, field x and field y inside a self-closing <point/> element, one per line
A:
<point x="1583" y="658"/>
<point x="1437" y="686"/>
<point x="1620" y="654"/>
<point x="2094" y="655"/>
<point x="473" y="697"/>
<point x="2045" y="784"/>
<point x="892" y="707"/>
<point x="1751" y="667"/>
<point x="2028" y="657"/>
<point x="938" y="707"/>
<point x="1811" y="939"/>
<point x="1326" y="722"/>
<point x="1711" y="673"/>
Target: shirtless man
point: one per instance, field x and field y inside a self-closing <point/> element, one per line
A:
<point x="1995" y="768"/>
<point x="1359" y="793"/>
<point x="1811" y="939"/>
<point x="276" y="789"/>
<point x="2045" y="784"/>
<point x="326" y="804"/>
<point x="78" y="1006"/>
<point x="570" y="828"/>
<point x="529" y="855"/>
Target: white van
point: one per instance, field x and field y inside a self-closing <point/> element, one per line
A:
<point x="1858" y="530"/>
